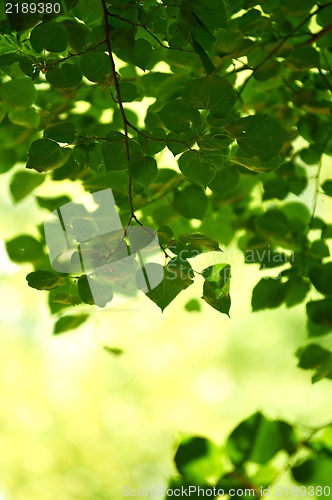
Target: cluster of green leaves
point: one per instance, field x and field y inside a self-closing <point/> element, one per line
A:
<point x="243" y="81"/>
<point x="254" y="458"/>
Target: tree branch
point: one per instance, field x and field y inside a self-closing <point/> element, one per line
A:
<point x="275" y="50"/>
<point x="122" y="110"/>
<point x="148" y="31"/>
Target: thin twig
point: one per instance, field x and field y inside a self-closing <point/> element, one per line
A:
<point x="316" y="192"/>
<point x="148" y="31"/>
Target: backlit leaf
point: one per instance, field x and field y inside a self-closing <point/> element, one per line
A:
<point x="23" y="183"/>
<point x="20" y="93"/>
<point x="216" y="287"/>
<point x="45" y="280"/>
<point x="197" y="167"/>
<point x="66" y="323"/>
<point x="258" y="135"/>
<point x="176" y="278"/>
<point x="44" y="155"/>
<point x="51" y="36"/>
<point x="144" y="169"/>
<point x="213" y="93"/>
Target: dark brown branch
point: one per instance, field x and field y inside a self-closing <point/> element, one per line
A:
<point x="163" y="140"/>
<point x="317" y="36"/>
<point x="78" y="54"/>
<point x="122" y="110"/>
<point x="329" y="86"/>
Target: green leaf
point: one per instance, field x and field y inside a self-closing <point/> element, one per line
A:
<point x="95" y="66"/>
<point x="327" y="231"/>
<point x="212" y="15"/>
<point x="22" y="183"/>
<point x="25" y="248"/>
<point x="321" y="278"/>
<point x="20" y="93"/>
<point x="52" y="204"/>
<point x="113" y="350"/>
<point x="8" y="44"/>
<point x="198" y="459"/>
<point x="25" y="117"/>
<point x="275" y="187"/>
<point x="231" y="43"/>
<point x="88" y="156"/>
<point x="67" y="298"/>
<point x="258" y="440"/>
<point x="177" y="117"/>
<point x="77" y="34"/>
<point x="45" y="280"/>
<point x="197" y="167"/>
<point x="224" y="180"/>
<point x="296" y="8"/>
<point x="139" y="238"/>
<point x="269" y="293"/>
<point x="187" y="139"/>
<point x="213" y="93"/>
<point x="297" y="290"/>
<point x="88" y="11"/>
<point x="61" y="132"/>
<point x="314" y="357"/>
<point x="129" y="92"/>
<point x="296" y="211"/>
<point x="153" y="147"/>
<point x="303" y="58"/>
<point x="319" y="249"/>
<point x="82" y="229"/>
<point x="66" y="78"/>
<point x="206" y="61"/>
<point x="327" y="187"/>
<point x="165" y="235"/>
<point x="44" y="155"/>
<point x="51" y="36"/>
<point x="66" y="323"/>
<point x="84" y="290"/>
<point x="29" y="67"/>
<point x="193" y="305"/>
<point x="216" y="287"/>
<point x="9" y="59"/>
<point x="317" y="471"/>
<point x="200" y="241"/>
<point x="191" y="28"/>
<point x="274" y="221"/>
<point x="141" y="54"/>
<point x="191" y="202"/>
<point x="115" y="155"/>
<point x="92" y="292"/>
<point x="258" y="135"/>
<point x="143" y="169"/>
<point x="257" y="165"/>
<point x="311" y="155"/>
<point x="320" y="313"/>
<point x="22" y="21"/>
<point x="177" y="277"/>
<point x="324" y="371"/>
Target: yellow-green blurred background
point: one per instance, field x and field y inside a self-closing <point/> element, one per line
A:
<point x="77" y="422"/>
